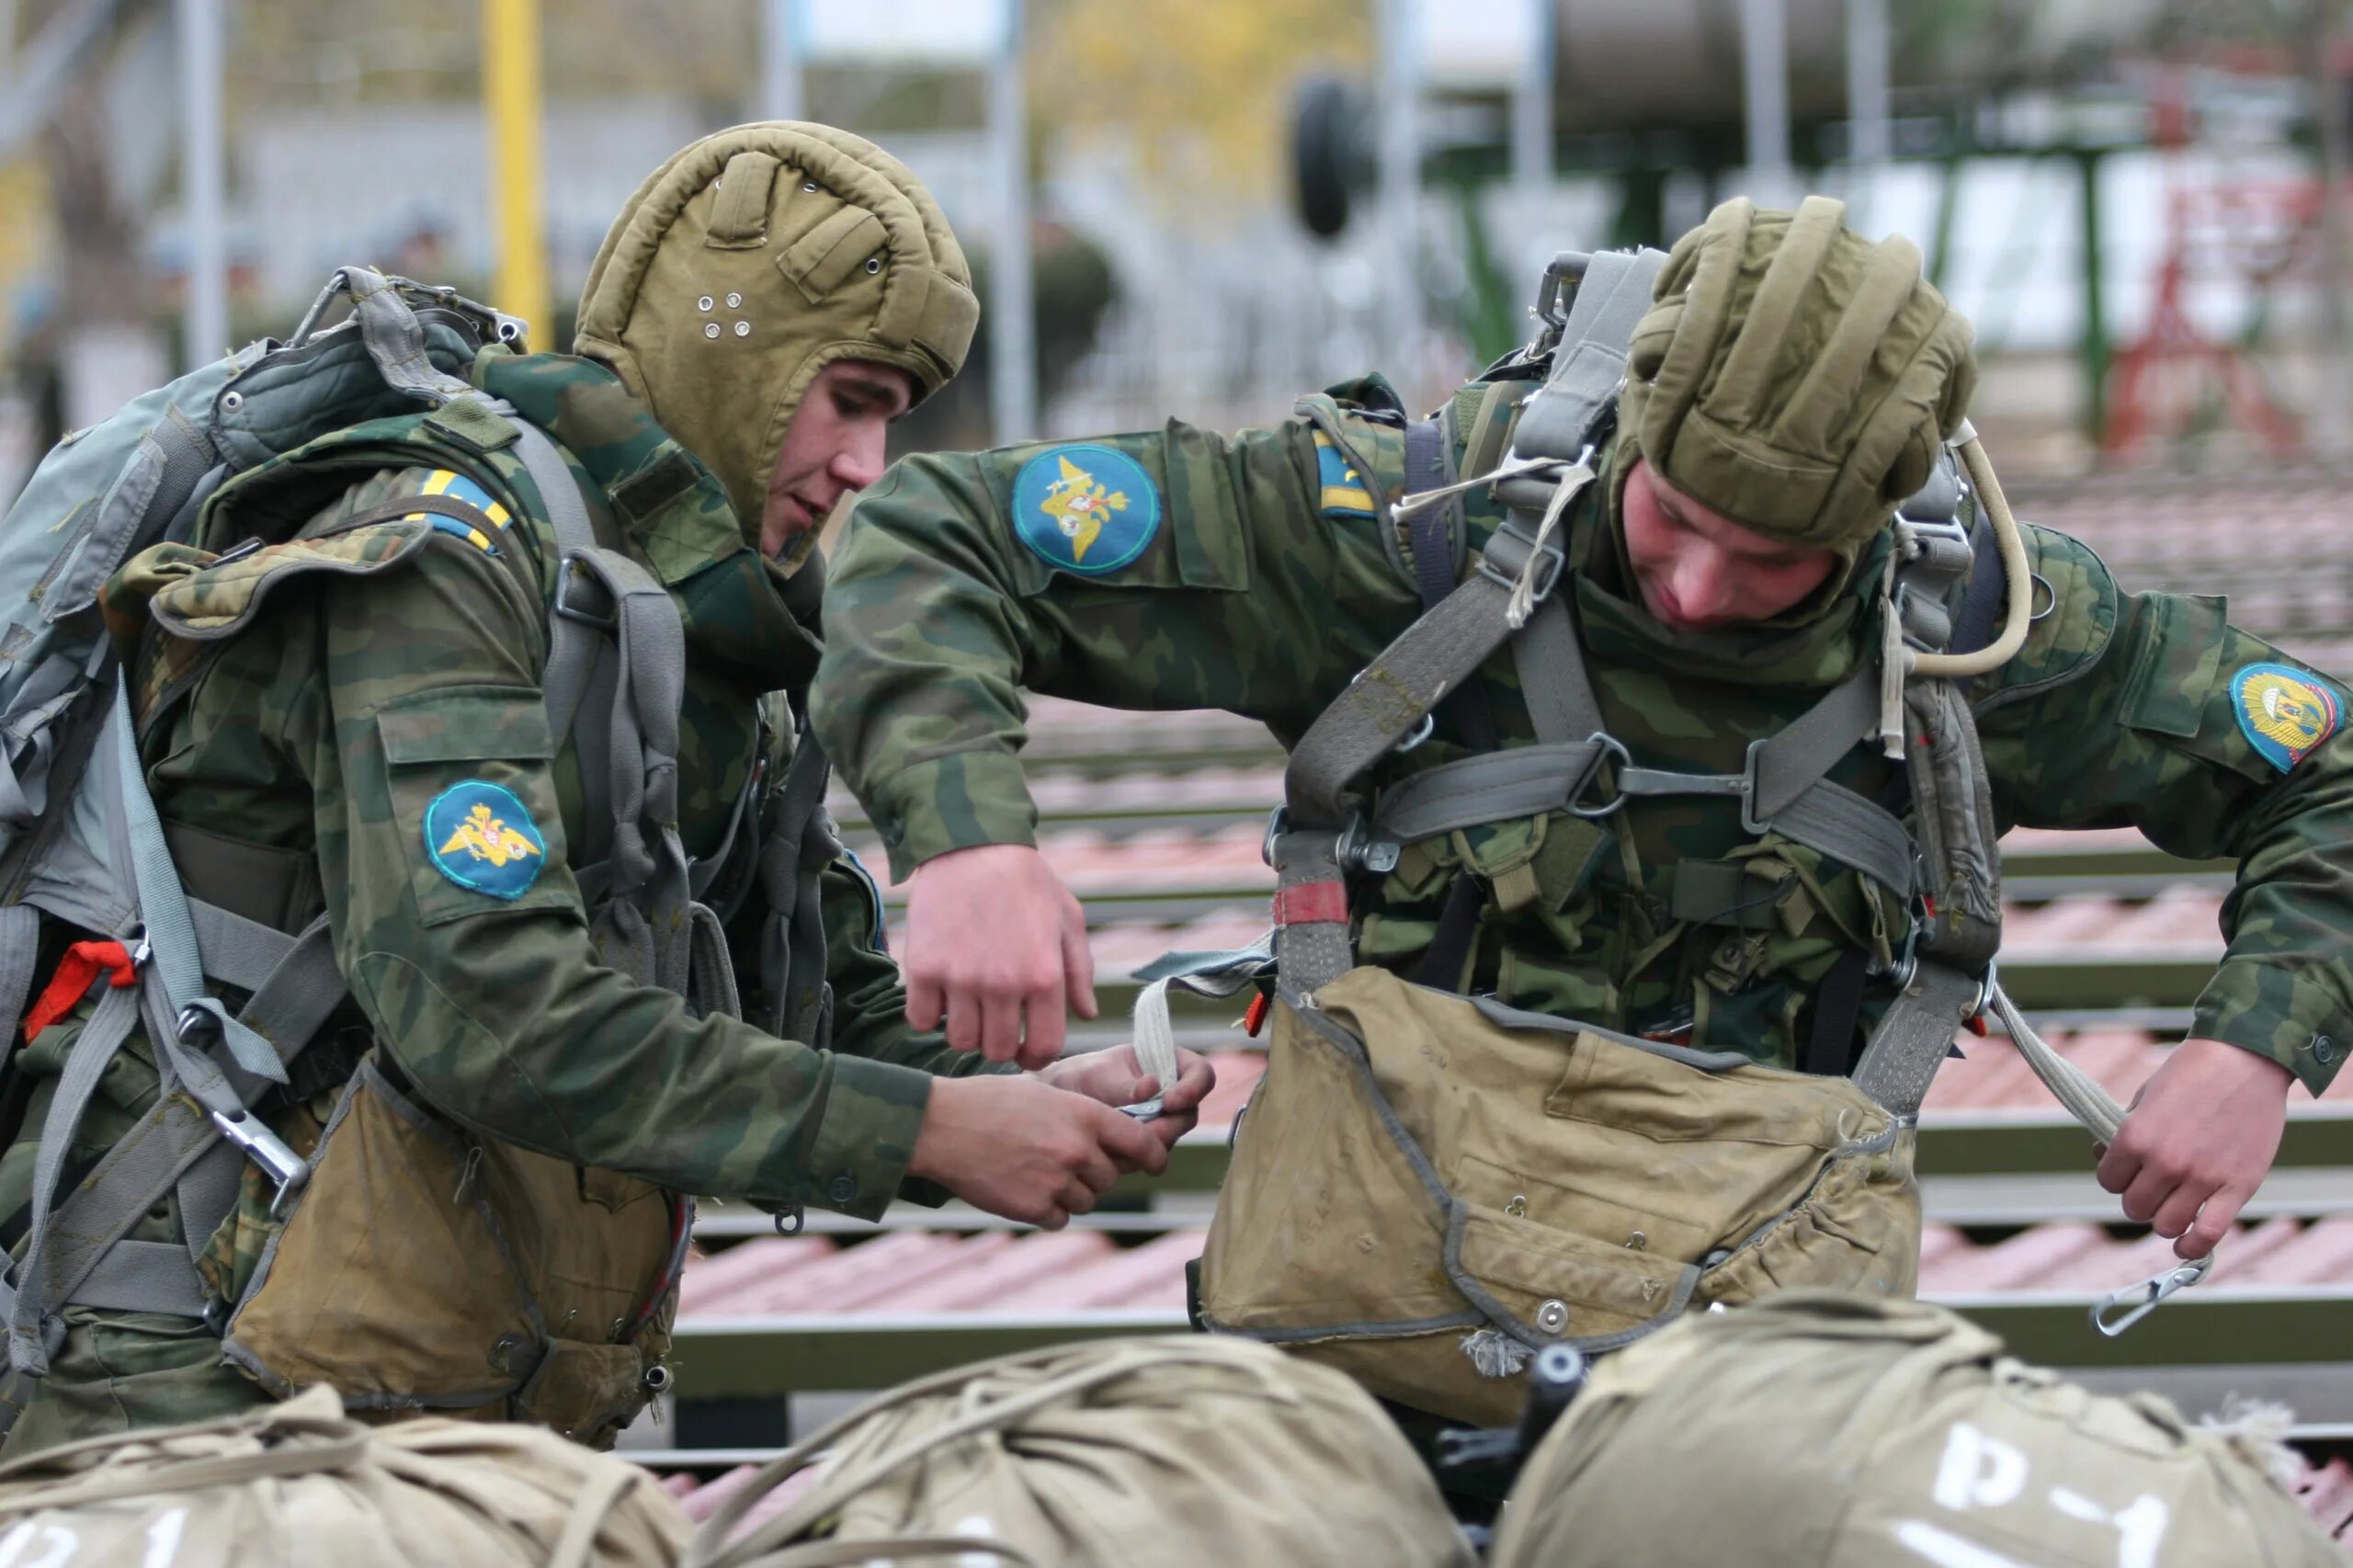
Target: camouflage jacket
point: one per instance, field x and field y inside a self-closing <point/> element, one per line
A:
<point x="308" y="727"/>
<point x="1181" y="569"/>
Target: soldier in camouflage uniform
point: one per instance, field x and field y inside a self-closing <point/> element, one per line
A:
<point x="369" y="740"/>
<point x="1723" y="573"/>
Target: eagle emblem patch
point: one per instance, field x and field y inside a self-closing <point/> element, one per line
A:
<point x="1086" y="510"/>
<point x="2284" y="712"/>
<point x="482" y="836"/>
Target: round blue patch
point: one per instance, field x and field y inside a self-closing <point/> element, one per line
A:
<point x="481" y="837"/>
<point x="1086" y="509"/>
<point x="2283" y="712"/>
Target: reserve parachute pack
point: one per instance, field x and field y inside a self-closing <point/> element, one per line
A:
<point x="84" y="848"/>
<point x="1147" y="1453"/>
<point x="1428" y="1188"/>
<point x="1825" y="1431"/>
<point x="303" y="1483"/>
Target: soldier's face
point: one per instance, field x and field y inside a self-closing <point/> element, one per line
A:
<point x="834" y="446"/>
<point x="1698" y="569"/>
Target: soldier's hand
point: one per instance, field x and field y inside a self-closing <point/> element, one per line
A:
<point x="1116" y="1078"/>
<point x="996" y="945"/>
<point x="1022" y="1148"/>
<point x="2200" y="1139"/>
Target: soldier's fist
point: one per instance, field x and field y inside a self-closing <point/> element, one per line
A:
<point x="2200" y="1139"/>
<point x="1021" y="1148"/>
<point x="995" y="946"/>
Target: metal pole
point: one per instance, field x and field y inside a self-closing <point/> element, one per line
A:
<point x="1400" y="177"/>
<point x="1765" y="84"/>
<point x="779" y="63"/>
<point x="1531" y="104"/>
<point x="206" y="313"/>
<point x="2095" y="344"/>
<point x="2332" y="427"/>
<point x="510" y="81"/>
<point x="1012" y="313"/>
<point x="1867" y="101"/>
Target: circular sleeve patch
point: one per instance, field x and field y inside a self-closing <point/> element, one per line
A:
<point x="1086" y="508"/>
<point x="2284" y="712"/>
<point x="479" y="835"/>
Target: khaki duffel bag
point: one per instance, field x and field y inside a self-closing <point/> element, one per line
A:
<point x="1825" y="1431"/>
<point x="300" y="1483"/>
<point x="1427" y="1187"/>
<point x="1184" y="1452"/>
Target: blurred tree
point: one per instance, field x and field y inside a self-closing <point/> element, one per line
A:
<point x="1203" y="90"/>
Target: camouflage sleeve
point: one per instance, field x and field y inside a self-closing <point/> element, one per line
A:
<point x="2152" y="709"/>
<point x="480" y="977"/>
<point x="1168" y="570"/>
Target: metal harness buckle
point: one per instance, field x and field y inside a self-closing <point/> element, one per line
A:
<point x="287" y="1169"/>
<point x="1610" y="747"/>
<point x="566" y="576"/>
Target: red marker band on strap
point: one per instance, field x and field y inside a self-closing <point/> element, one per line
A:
<point x="83" y="962"/>
<point x="1310" y="904"/>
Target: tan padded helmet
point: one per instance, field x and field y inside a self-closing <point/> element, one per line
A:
<point x="1793" y="375"/>
<point x="751" y="261"/>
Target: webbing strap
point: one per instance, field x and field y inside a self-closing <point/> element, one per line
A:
<point x="295" y="982"/>
<point x="792" y="858"/>
<point x="1311" y="909"/>
<point x="1914" y="1036"/>
<point x="1389" y="696"/>
<point x="1553" y="678"/>
<point x="646" y="917"/>
<point x="1495" y="786"/>
<point x="170" y="929"/>
<point x="1611" y="300"/>
<point x="143" y="1277"/>
<point x="47" y="1270"/>
<point x="1438" y="531"/>
<point x="575" y="643"/>
<point x="19" y="954"/>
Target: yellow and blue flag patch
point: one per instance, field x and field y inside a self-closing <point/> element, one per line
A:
<point x="480" y="835"/>
<point x="458" y="488"/>
<point x="2283" y="712"/>
<point x="1342" y="492"/>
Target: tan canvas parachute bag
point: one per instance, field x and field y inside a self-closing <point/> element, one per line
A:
<point x="1426" y="1187"/>
<point x="1143" y="1453"/>
<point x="298" y="1483"/>
<point x="1825" y="1431"/>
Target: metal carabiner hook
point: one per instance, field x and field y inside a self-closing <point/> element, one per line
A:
<point x="2146" y="1296"/>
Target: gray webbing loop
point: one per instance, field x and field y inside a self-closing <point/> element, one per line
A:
<point x="394" y="338"/>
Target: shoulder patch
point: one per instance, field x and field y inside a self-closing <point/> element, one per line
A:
<point x="1341" y="491"/>
<point x="458" y="488"/>
<point x="1084" y="508"/>
<point x="480" y="835"/>
<point x="2284" y="712"/>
